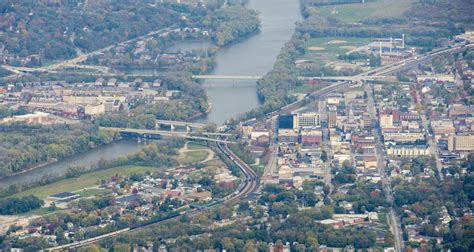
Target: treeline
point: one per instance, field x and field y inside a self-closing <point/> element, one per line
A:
<point x="54" y="31"/>
<point x="19" y="205"/>
<point x="233" y="23"/>
<point x="7" y="111"/>
<point x="23" y="146"/>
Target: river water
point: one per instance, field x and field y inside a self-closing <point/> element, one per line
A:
<point x="86" y="159"/>
<point x="254" y="56"/>
<point x="229" y="98"/>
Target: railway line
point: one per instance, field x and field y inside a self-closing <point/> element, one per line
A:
<point x="249" y="184"/>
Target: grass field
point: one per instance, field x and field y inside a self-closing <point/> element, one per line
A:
<point x="193" y="146"/>
<point x="324" y="50"/>
<point x="358" y="12"/>
<point x="83" y="181"/>
<point x="40" y="211"/>
<point x="193" y="157"/>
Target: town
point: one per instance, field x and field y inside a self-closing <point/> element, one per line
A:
<point x="178" y="130"/>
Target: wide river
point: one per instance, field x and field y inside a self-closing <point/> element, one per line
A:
<point x="253" y="56"/>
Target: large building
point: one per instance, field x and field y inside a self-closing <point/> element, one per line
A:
<point x="443" y="127"/>
<point x="308" y="120"/>
<point x="332" y="116"/>
<point x="287" y="122"/>
<point x="408" y="150"/>
<point x="461" y="142"/>
<point x="311" y="137"/>
<point x="404" y="136"/>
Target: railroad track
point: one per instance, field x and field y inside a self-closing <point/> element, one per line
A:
<point x="250" y="184"/>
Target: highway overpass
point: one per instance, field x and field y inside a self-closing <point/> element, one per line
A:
<point x="205" y="136"/>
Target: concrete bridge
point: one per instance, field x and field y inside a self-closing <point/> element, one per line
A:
<point x="227" y="77"/>
<point x="173" y="124"/>
<point x="206" y="136"/>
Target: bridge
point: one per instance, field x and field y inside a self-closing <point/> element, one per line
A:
<point x="227" y="77"/>
<point x="173" y="124"/>
<point x="348" y="78"/>
<point x="206" y="136"/>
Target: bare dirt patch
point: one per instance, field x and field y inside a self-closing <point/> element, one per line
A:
<point x="336" y="42"/>
<point x="315" y="48"/>
<point x="348" y="47"/>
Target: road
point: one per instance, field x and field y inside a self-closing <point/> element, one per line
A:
<point x="395" y="226"/>
<point x="249" y="184"/>
<point x="74" y="62"/>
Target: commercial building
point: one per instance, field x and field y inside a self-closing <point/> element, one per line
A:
<point x="308" y="120"/>
<point x="408" y="150"/>
<point x="404" y="136"/>
<point x="332" y="116"/>
<point x="443" y="127"/>
<point x="311" y="137"/>
<point x="461" y="142"/>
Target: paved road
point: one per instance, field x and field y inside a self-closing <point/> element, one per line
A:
<point x="381" y="163"/>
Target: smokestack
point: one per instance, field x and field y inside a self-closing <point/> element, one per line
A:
<point x="390" y="44"/>
<point x="380" y="48"/>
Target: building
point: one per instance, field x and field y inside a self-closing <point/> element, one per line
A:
<point x="386" y="121"/>
<point x="308" y="120"/>
<point x="404" y="136"/>
<point x="287" y="136"/>
<point x="443" y="127"/>
<point x="311" y="136"/>
<point x="94" y="109"/>
<point x="332" y="116"/>
<point x="463" y="142"/>
<point x="35" y="118"/>
<point x="408" y="150"/>
<point x="287" y="122"/>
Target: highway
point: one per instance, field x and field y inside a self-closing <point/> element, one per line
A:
<point x="250" y="183"/>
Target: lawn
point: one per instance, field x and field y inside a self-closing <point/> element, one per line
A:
<point x="191" y="157"/>
<point x="40" y="211"/>
<point x="193" y="146"/>
<point x="358" y="12"/>
<point x="86" y="180"/>
<point x="326" y="49"/>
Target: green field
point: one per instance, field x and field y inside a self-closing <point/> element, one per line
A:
<point x="358" y="12"/>
<point x="193" y="146"/>
<point x="40" y="211"/>
<point x="191" y="157"/>
<point x="87" y="180"/>
<point x="324" y="50"/>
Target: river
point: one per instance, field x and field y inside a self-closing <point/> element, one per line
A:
<point x="86" y="159"/>
<point x="253" y="56"/>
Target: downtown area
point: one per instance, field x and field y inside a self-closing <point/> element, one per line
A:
<point x="237" y="125"/>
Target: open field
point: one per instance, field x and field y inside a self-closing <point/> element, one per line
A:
<point x="193" y="157"/>
<point x="193" y="146"/>
<point x="83" y="181"/>
<point x="330" y="48"/>
<point x="358" y="12"/>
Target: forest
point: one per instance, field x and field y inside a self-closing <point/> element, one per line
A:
<point x="59" y="30"/>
